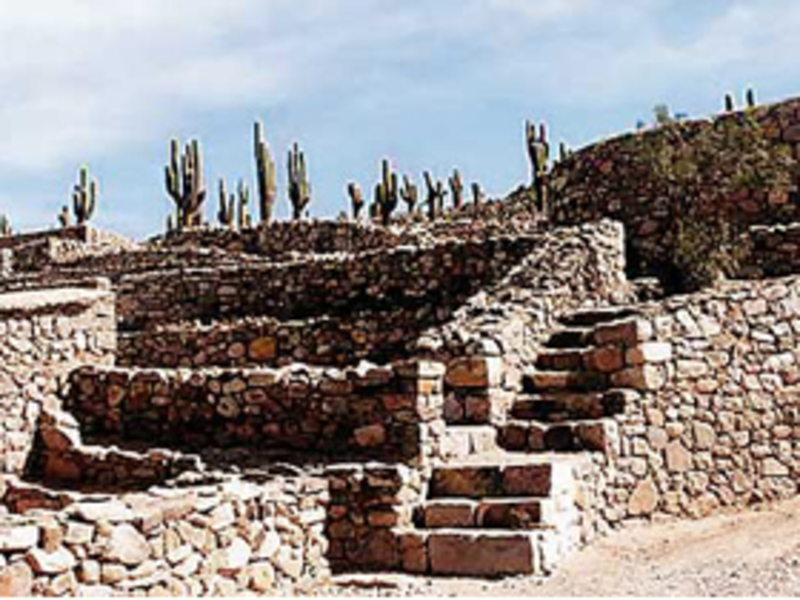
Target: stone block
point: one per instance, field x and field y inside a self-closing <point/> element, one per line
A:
<point x="644" y="499"/>
<point x="16" y="580"/>
<point x="50" y="563"/>
<point x="14" y="538"/>
<point x="607" y="359"/>
<point x="679" y="459"/>
<point x="649" y="352"/>
<point x="480" y="554"/>
<point x="127" y="546"/>
<point x="449" y="513"/>
<point x="474" y="372"/>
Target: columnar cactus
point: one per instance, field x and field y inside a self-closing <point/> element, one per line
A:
<point x="63" y="217"/>
<point x="84" y="196"/>
<point x="750" y="98"/>
<point x="387" y="193"/>
<point x="436" y="195"/>
<point x="184" y="182"/>
<point x="356" y="199"/>
<point x="299" y="187"/>
<point x="266" y="175"/>
<point x="539" y="153"/>
<point x="5" y="226"/>
<point x="225" y="214"/>
<point x="409" y="194"/>
<point x="729" y="103"/>
<point x="457" y="189"/>
<point x="477" y="197"/>
<point x="244" y="205"/>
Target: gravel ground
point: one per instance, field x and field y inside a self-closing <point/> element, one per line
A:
<point x="756" y="553"/>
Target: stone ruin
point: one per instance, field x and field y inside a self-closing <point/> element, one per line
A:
<point x="216" y="412"/>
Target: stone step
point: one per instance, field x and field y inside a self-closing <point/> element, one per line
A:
<point x="600" y="435"/>
<point x="563" y="359"/>
<point x="496" y="480"/>
<point x="573" y="337"/>
<point x="592" y="316"/>
<point x="483" y="553"/>
<point x="579" y="381"/>
<point x="461" y="441"/>
<point x="491" y="513"/>
<point x="557" y="407"/>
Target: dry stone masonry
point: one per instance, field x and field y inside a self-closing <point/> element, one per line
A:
<point x="227" y="412"/>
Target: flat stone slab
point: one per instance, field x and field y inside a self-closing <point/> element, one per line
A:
<point x="482" y="553"/>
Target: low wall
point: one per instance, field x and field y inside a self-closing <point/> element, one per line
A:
<point x="223" y="538"/>
<point x="374" y="412"/>
<point x="442" y="275"/>
<point x="44" y="335"/>
<point x="712" y="420"/>
<point x="87" y="234"/>
<point x="280" y="239"/>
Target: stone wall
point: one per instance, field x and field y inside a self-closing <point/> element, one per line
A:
<point x="389" y="412"/>
<point x="280" y="240"/>
<point x="771" y="251"/>
<point x="284" y="240"/>
<point x="83" y="233"/>
<point x="228" y="537"/>
<point x="711" y="418"/>
<point x="566" y="269"/>
<point x="613" y="179"/>
<point x="370" y="506"/>
<point x="442" y="275"/>
<point x="43" y="336"/>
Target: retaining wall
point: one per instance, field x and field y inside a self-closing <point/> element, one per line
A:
<point x="223" y="538"/>
<point x="392" y="413"/>
<point x="43" y="336"/>
<point x="713" y="418"/>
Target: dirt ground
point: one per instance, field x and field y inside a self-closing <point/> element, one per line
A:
<point x="756" y="553"/>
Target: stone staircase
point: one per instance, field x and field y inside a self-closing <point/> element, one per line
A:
<point x="507" y="503"/>
<point x="499" y="515"/>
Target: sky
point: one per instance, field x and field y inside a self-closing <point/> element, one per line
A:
<point x="433" y="85"/>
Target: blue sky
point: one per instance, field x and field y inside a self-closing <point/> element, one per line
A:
<point x="432" y="85"/>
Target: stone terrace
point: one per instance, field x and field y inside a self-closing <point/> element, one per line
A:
<point x="225" y="412"/>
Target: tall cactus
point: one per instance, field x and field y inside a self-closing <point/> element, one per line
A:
<point x="299" y="187"/>
<point x="63" y="217"/>
<point x="266" y="175"/>
<point x="84" y="196"/>
<point x="730" y="106"/>
<point x="184" y="182"/>
<point x="436" y="196"/>
<point x="539" y="153"/>
<point x="750" y="98"/>
<point x="356" y="199"/>
<point x="409" y="194"/>
<point x="244" y="205"/>
<point x="5" y="226"/>
<point x="387" y="193"/>
<point x="225" y="214"/>
<point x="477" y="197"/>
<point x="457" y="189"/>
